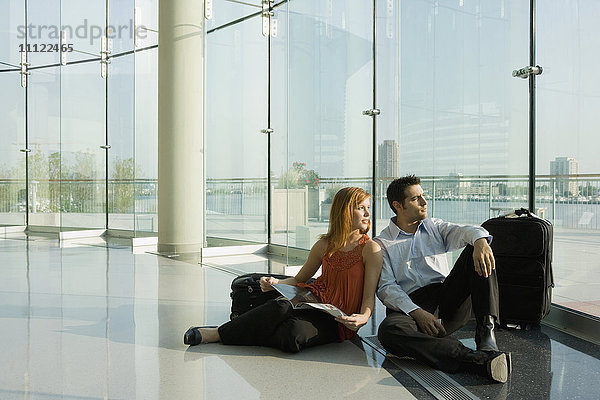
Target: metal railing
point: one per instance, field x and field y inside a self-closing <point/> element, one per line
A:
<point x="571" y="202"/>
<point x="79" y="196"/>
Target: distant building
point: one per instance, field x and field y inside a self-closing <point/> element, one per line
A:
<point x="456" y="185"/>
<point x="388" y="159"/>
<point x="562" y="167"/>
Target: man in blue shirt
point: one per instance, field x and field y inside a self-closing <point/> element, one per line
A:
<point x="417" y="286"/>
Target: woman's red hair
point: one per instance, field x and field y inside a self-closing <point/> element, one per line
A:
<point x="340" y="216"/>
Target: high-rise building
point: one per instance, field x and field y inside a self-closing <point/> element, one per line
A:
<point x="562" y="167"/>
<point x="388" y="159"/>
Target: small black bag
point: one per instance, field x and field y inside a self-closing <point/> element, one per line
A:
<point x="522" y="247"/>
<point x="246" y="294"/>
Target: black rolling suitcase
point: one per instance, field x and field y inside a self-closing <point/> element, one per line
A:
<point x="246" y="294"/>
<point x="522" y="246"/>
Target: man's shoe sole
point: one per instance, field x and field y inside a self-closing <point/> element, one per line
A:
<point x="499" y="367"/>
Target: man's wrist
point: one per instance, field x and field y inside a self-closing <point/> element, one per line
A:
<point x="414" y="312"/>
<point x="481" y="242"/>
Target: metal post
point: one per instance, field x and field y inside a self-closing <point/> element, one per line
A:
<point x="433" y="200"/>
<point x="553" y="201"/>
<point x="269" y="196"/>
<point x="106" y="158"/>
<point x="26" y="134"/>
<point x="490" y="198"/>
<point x="381" y="197"/>
<point x="242" y="197"/>
<point x="374" y="147"/>
<point x="532" y="107"/>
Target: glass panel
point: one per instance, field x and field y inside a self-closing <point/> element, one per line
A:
<point x="279" y="116"/>
<point x="84" y="23"/>
<point x="146" y="118"/>
<point x="12" y="32"/>
<point x="225" y="11"/>
<point x="121" y="163"/>
<point x="146" y="141"/>
<point x="147" y="22"/>
<point x="44" y="142"/>
<point x="388" y="100"/>
<point x="329" y="141"/>
<point x="43" y="22"/>
<point x="44" y="114"/>
<point x="568" y="166"/>
<point x="461" y="118"/>
<point x="12" y="162"/>
<point x="121" y="29"/>
<point x="236" y="111"/>
<point x="13" y="193"/>
<point x="83" y="131"/>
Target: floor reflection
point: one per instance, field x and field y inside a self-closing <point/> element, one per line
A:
<point x="93" y="319"/>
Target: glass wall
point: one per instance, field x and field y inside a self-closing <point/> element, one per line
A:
<point x="12" y="161"/>
<point x="326" y="141"/>
<point x="568" y="166"/>
<point x="73" y="110"/>
<point x="285" y="123"/>
<point x="451" y="112"/>
<point x="146" y="117"/>
<point x="43" y="118"/>
<point x="121" y="164"/>
<point x="236" y="149"/>
<point x="121" y="118"/>
<point x="44" y="142"/>
<point x="12" y="105"/>
<point x="83" y="131"/>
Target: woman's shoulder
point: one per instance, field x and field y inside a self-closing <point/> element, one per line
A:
<point x="370" y="246"/>
<point x="320" y="247"/>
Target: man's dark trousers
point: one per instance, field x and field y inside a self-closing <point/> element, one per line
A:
<point x="452" y="301"/>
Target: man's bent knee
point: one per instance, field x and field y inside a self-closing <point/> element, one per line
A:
<point x="392" y="328"/>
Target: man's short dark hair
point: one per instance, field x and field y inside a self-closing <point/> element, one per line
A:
<point x="395" y="191"/>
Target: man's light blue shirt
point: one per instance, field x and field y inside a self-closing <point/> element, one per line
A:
<point x="415" y="260"/>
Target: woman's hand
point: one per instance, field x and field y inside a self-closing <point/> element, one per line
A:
<point x="267" y="282"/>
<point x="353" y="322"/>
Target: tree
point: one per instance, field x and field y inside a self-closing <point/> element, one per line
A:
<point x="122" y="185"/>
<point x="298" y="176"/>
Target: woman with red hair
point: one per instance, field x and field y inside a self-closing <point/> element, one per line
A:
<point x="351" y="263"/>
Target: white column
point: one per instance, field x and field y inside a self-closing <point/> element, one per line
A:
<point x="180" y="126"/>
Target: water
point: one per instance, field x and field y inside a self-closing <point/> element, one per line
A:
<point x="583" y="216"/>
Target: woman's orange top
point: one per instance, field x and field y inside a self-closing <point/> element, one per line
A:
<point x="341" y="283"/>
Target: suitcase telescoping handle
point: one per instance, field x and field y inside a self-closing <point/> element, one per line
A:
<point x="522" y="211"/>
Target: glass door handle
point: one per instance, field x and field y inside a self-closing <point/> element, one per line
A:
<point x="106" y="147"/>
<point x="25" y="150"/>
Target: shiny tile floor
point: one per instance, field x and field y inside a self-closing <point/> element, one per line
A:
<point x="86" y="319"/>
<point x="91" y="319"/>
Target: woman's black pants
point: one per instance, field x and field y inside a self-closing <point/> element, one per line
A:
<point x="277" y="324"/>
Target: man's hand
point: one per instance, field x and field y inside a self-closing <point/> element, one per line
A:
<point x="428" y="323"/>
<point x="483" y="258"/>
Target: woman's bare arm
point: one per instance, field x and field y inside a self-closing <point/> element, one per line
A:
<point x="309" y="268"/>
<point x="373" y="260"/>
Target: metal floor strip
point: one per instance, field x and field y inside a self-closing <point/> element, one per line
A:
<point x="439" y="384"/>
